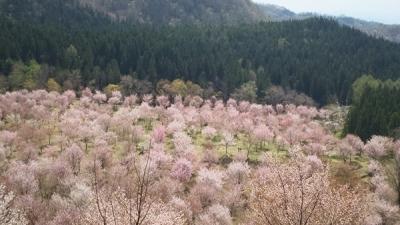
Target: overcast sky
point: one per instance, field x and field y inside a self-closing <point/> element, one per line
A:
<point x="385" y="11"/>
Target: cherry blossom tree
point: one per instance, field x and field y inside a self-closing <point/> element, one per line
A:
<point x="182" y="170"/>
<point x="8" y="214"/>
<point x="209" y="184"/>
<point x="386" y="177"/>
<point x="163" y="101"/>
<point x="117" y="208"/>
<point x="238" y="172"/>
<point x="8" y="139"/>
<point x="22" y="178"/>
<point x="385" y="208"/>
<point x="346" y="150"/>
<point x="315" y="149"/>
<point x="356" y="143"/>
<point x="215" y="214"/>
<point x="377" y="146"/>
<point x="116" y="98"/>
<point x="289" y="194"/>
<point x="159" y="134"/>
<point x="182" y="142"/>
<point x="183" y="207"/>
<point x="130" y="101"/>
<point x="99" y="97"/>
<point x="73" y="156"/>
<point x="228" y="140"/>
<point x="209" y="132"/>
<point x="50" y="176"/>
<point x="262" y="134"/>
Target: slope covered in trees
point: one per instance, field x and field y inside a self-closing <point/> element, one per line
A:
<point x="154" y="12"/>
<point x="102" y="158"/>
<point x="174" y="12"/>
<point x="375" y="109"/>
<point x="66" y="13"/>
<point x="375" y="29"/>
<point x="316" y="56"/>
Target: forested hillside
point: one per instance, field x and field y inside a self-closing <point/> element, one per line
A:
<point x="65" y="13"/>
<point x="375" y="109"/>
<point x="379" y="30"/>
<point x="174" y="12"/>
<point x="315" y="56"/>
<point x="374" y="29"/>
<point x="277" y="13"/>
<point x="154" y="12"/>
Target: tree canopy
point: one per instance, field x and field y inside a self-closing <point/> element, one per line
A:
<point x="375" y="109"/>
<point x="316" y="57"/>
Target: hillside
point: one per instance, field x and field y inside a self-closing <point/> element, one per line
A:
<point x="169" y="12"/>
<point x="78" y="46"/>
<point x="389" y="32"/>
<point x="379" y="30"/>
<point x="277" y="13"/>
<point x="85" y="160"/>
<point x="65" y="13"/>
<point x="155" y="12"/>
<point x="195" y="112"/>
<point x="315" y="56"/>
<point x="179" y="11"/>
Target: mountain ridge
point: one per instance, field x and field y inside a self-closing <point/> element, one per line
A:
<point x="174" y="12"/>
<point x="389" y="32"/>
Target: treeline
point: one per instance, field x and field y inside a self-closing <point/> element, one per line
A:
<point x="316" y="56"/>
<point x="64" y="13"/>
<point x="375" y="109"/>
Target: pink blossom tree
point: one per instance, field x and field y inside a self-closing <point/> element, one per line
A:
<point x="289" y="194"/>
<point x="182" y="142"/>
<point x="182" y="170"/>
<point x="209" y="184"/>
<point x="377" y="146"/>
<point x="346" y="150"/>
<point x="227" y="140"/>
<point x="209" y="132"/>
<point x="9" y="215"/>
<point x="263" y="134"/>
<point x="8" y="139"/>
<point x="73" y="156"/>
<point x="238" y="172"/>
<point x="130" y="101"/>
<point x="215" y="214"/>
<point x="21" y="178"/>
<point x="356" y="143"/>
<point x="163" y="101"/>
<point x="133" y="203"/>
<point x="159" y="134"/>
<point x="315" y="149"/>
<point x="99" y="97"/>
<point x="116" y="98"/>
<point x="118" y="208"/>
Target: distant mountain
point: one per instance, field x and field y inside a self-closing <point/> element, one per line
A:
<point x="68" y="13"/>
<point x="389" y="32"/>
<point x="179" y="11"/>
<point x="155" y="12"/>
<point x="277" y="13"/>
<point x="379" y="30"/>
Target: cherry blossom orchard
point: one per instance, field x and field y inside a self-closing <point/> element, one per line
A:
<point x="95" y="158"/>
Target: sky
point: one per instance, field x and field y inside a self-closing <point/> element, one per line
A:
<point x="384" y="11"/>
